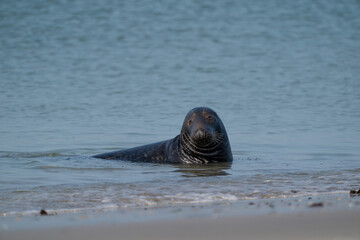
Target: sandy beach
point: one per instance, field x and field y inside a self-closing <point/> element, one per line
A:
<point x="330" y="218"/>
<point x="317" y="225"/>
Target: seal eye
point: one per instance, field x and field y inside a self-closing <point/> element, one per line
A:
<point x="210" y="118"/>
<point x="189" y="122"/>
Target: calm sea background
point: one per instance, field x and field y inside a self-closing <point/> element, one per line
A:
<point x="78" y="78"/>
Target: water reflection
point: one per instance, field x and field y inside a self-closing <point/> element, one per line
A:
<point x="209" y="170"/>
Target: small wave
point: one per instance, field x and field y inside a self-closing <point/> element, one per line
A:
<point x="195" y="198"/>
<point x="179" y="200"/>
<point x="79" y="169"/>
<point x="29" y="154"/>
<point x="356" y="170"/>
<point x="294" y="194"/>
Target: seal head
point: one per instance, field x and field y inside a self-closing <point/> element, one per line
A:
<point x="203" y="138"/>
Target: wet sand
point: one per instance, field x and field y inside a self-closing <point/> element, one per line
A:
<point x="331" y="218"/>
<point x="315" y="225"/>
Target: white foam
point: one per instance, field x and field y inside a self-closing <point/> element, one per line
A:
<point x="195" y="198"/>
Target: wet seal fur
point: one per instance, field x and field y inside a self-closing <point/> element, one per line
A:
<point x="203" y="139"/>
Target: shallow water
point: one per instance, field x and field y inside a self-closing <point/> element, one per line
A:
<point x="81" y="78"/>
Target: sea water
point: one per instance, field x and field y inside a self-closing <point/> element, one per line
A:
<point x="79" y="78"/>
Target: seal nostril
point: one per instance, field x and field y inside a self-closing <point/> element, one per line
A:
<point x="202" y="136"/>
<point x="200" y="132"/>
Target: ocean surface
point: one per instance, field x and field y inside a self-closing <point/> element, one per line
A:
<point x="79" y="78"/>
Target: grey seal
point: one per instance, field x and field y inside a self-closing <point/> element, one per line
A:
<point x="203" y="139"/>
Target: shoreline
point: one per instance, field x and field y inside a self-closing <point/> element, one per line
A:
<point x="335" y="216"/>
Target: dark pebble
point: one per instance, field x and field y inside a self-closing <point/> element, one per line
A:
<point x="251" y="203"/>
<point x="318" y="204"/>
<point x="43" y="212"/>
<point x="354" y="192"/>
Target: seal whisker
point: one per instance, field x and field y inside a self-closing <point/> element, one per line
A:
<point x="219" y="141"/>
